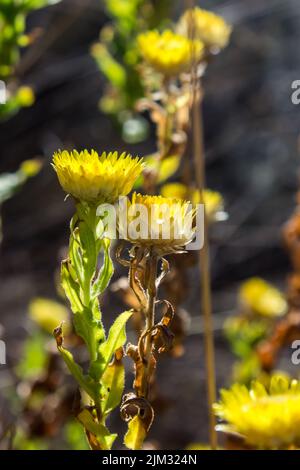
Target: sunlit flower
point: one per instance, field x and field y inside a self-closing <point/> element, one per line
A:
<point x="211" y="29"/>
<point x="260" y="297"/>
<point x="96" y="179"/>
<point x="164" y="224"/>
<point x="213" y="200"/>
<point x="266" y="417"/>
<point x="169" y="53"/>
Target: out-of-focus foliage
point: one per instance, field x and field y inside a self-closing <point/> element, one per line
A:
<point x="117" y="56"/>
<point x="34" y="357"/>
<point x="13" y="15"/>
<point x="75" y="436"/>
<point x="260" y="304"/>
<point x="48" y="314"/>
<point x="21" y="442"/>
<point x="10" y="183"/>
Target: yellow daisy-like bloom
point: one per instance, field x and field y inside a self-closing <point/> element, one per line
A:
<point x="260" y="297"/>
<point x="164" y="224"/>
<point x="213" y="200"/>
<point x="169" y="53"/>
<point x="211" y="29"/>
<point x="266" y="417"/>
<point x="95" y="178"/>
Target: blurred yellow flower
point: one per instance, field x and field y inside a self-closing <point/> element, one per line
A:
<point x="31" y="167"/>
<point x="266" y="417"/>
<point x="164" y="224"/>
<point x="213" y="200"/>
<point x="169" y="53"/>
<point x="25" y="96"/>
<point x="211" y="29"/>
<point x="96" y="179"/>
<point x="49" y="314"/>
<point x="260" y="297"/>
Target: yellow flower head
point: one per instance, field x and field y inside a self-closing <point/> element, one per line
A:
<point x="261" y="298"/>
<point x="164" y="224"/>
<point x="95" y="178"/>
<point x="169" y="53"/>
<point x="267" y="417"/>
<point x="209" y="28"/>
<point x="213" y="200"/>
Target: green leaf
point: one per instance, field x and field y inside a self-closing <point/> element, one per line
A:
<point x="113" y="381"/>
<point x="105" y="272"/>
<point x="88" y="255"/>
<point x="71" y="288"/>
<point x="83" y="381"/>
<point x="113" y="71"/>
<point x="104" y="437"/>
<point x="136" y="434"/>
<point x="75" y="436"/>
<point x="116" y="339"/>
<point x="75" y="258"/>
<point x="34" y="357"/>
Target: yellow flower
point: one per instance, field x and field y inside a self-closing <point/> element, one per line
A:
<point x="96" y="179"/>
<point x="169" y="53"/>
<point x="30" y="168"/>
<point x="25" y="96"/>
<point x="211" y="29"/>
<point x="266" y="417"/>
<point x="213" y="200"/>
<point x="260" y="297"/>
<point x="164" y="224"/>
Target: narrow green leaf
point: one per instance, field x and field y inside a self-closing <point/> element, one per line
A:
<point x="71" y="288"/>
<point x="88" y="251"/>
<point x="83" y="381"/>
<point x="105" y="272"/>
<point x="116" y="339"/>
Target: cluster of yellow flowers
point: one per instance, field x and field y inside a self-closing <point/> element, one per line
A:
<point x="266" y="417"/>
<point x="102" y="179"/>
